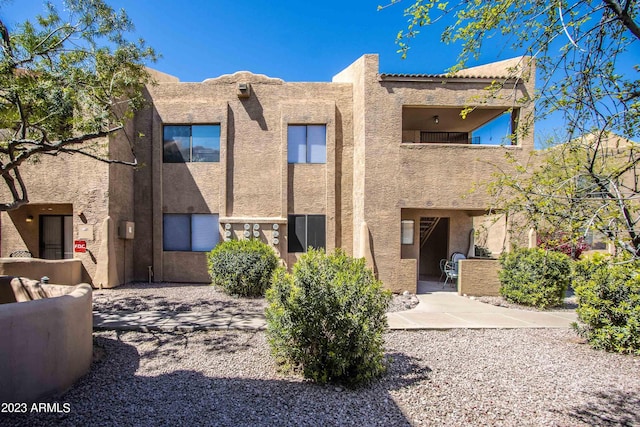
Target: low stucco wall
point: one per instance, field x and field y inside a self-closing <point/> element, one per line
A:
<point x="407" y="277"/>
<point x="478" y="277"/>
<point x="46" y="344"/>
<point x="67" y="271"/>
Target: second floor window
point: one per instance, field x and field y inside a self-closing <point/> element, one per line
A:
<point x="307" y="144"/>
<point x="191" y="143"/>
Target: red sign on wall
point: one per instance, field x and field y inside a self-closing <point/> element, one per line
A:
<point x="80" y="246"/>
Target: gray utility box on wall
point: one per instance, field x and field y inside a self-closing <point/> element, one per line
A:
<point x="126" y="230"/>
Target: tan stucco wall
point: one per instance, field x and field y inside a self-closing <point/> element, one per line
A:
<point x="370" y="176"/>
<point x="437" y="176"/>
<point x="252" y="183"/>
<point x="45" y="345"/>
<point x="59" y="271"/>
<point x="479" y="277"/>
<point x="85" y="188"/>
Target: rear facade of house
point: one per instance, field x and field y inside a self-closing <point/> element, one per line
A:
<point x="381" y="165"/>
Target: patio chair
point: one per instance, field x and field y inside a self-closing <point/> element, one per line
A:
<point x="20" y="254"/>
<point x="443" y="264"/>
<point x="451" y="271"/>
<point x="451" y="267"/>
<point x="457" y="256"/>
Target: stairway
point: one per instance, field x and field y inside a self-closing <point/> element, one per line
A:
<point x="427" y="225"/>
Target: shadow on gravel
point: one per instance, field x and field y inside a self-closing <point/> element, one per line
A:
<point x="113" y="394"/>
<point x="136" y="303"/>
<point x="615" y="408"/>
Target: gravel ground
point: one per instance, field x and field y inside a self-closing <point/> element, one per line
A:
<point x="570" y="303"/>
<point x="517" y="377"/>
<point x="194" y="297"/>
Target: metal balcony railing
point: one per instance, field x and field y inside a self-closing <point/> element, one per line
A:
<point x="447" y="138"/>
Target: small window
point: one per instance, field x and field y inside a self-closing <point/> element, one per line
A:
<point x="190" y="232"/>
<point x="307" y="144"/>
<point x="191" y="143"/>
<point x="408" y="228"/>
<point x="306" y="231"/>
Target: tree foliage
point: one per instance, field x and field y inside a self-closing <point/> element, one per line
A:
<point x="580" y="187"/>
<point x="584" y="52"/>
<point x="66" y="80"/>
<point x="586" y="56"/>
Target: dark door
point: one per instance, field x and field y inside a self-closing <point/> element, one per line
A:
<point x="56" y="236"/>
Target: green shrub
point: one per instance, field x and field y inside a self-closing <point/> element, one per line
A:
<point x="609" y="304"/>
<point x="242" y="267"/>
<point x="535" y="277"/>
<point x="328" y="319"/>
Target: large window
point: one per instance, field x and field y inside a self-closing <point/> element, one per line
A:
<point x="191" y="143"/>
<point x="307" y="144"/>
<point x="190" y="232"/>
<point x="306" y="230"/>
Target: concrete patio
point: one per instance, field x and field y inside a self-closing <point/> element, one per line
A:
<point x="442" y="308"/>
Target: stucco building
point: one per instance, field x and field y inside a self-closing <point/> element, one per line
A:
<point x="381" y="165"/>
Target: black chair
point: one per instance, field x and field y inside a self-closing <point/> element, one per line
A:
<point x="20" y="254"/>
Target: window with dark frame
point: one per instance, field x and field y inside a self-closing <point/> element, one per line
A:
<point x="306" y="231"/>
<point x="190" y="232"/>
<point x="307" y="144"/>
<point x="191" y="143"/>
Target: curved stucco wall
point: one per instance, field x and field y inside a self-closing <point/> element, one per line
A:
<point x="46" y="344"/>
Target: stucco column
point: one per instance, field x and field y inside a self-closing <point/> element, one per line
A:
<point x="106" y="271"/>
<point x="365" y="248"/>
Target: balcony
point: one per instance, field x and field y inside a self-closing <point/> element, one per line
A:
<point x="440" y="125"/>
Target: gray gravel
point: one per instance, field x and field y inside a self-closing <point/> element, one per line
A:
<point x="569" y="303"/>
<point x="194" y="297"/>
<point x="518" y="377"/>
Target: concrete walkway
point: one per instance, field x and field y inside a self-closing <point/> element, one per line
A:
<point x="438" y="309"/>
<point x="448" y="310"/>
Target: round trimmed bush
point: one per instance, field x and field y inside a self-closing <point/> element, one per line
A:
<point x="328" y="318"/>
<point x="242" y="267"/>
<point x="535" y="277"/>
<point x="609" y="304"/>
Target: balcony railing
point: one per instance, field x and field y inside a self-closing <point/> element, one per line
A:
<point x="447" y="138"/>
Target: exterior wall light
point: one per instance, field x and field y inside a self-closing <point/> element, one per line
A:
<point x="243" y="90"/>
<point x="29" y="219"/>
<point x="436" y="119"/>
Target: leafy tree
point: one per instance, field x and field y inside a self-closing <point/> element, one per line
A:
<point x="576" y="188"/>
<point x="587" y="63"/>
<point x="65" y="83"/>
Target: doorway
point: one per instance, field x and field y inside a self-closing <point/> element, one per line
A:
<point x="434" y="246"/>
<point x="56" y="236"/>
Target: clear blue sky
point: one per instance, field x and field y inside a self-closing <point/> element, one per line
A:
<point x="291" y="40"/>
